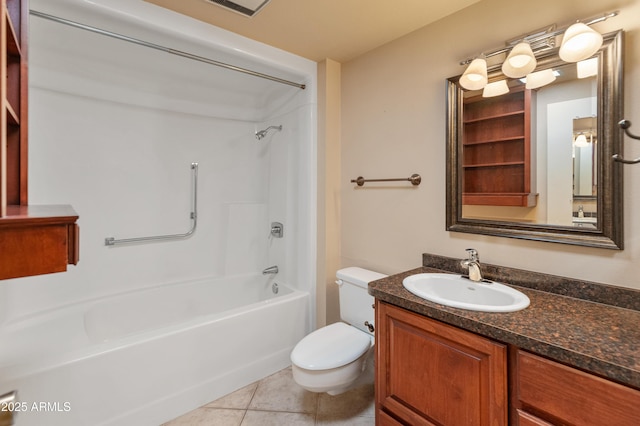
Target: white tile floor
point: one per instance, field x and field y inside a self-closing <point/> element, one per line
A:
<point x="277" y="400"/>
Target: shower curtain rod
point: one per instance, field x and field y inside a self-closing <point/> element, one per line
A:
<point x="164" y="49"/>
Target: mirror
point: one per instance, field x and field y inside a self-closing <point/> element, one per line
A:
<point x="585" y="138"/>
<point x="536" y="164"/>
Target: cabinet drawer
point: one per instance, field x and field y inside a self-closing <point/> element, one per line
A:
<point x="566" y="395"/>
<point x="526" y="419"/>
<point x="386" y="420"/>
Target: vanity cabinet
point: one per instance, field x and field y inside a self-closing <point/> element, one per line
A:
<point x="496" y="150"/>
<point x="545" y="392"/>
<point x="431" y="373"/>
<point x="34" y="240"/>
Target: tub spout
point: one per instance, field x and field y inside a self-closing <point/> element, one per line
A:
<point x="270" y="270"/>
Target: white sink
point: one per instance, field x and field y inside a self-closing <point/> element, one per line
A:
<point x="458" y="292"/>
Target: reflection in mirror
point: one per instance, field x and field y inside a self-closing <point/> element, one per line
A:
<point x="585" y="137"/>
<point x="536" y="164"/>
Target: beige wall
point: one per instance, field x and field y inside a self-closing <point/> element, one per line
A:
<point x="393" y="125"/>
<point x="328" y="191"/>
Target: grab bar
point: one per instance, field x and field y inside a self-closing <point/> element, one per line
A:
<point x="111" y="241"/>
<point x="625" y="124"/>
<point x="415" y="180"/>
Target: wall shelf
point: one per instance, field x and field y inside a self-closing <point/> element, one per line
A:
<point x="34" y="240"/>
<point x="496" y="148"/>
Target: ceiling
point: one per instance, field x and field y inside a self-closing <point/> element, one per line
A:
<point x="318" y="29"/>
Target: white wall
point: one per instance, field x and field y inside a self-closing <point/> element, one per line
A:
<point x="393" y="125"/>
<point x="113" y="131"/>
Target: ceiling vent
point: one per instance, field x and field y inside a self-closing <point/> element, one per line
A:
<point x="245" y="7"/>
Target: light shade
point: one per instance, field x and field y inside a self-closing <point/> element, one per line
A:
<point x="520" y="61"/>
<point x="540" y="78"/>
<point x="496" y="88"/>
<point x="475" y="76"/>
<point x="581" y="141"/>
<point x="579" y="42"/>
<point x="587" y="68"/>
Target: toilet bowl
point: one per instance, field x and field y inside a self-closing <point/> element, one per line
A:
<point x="338" y="357"/>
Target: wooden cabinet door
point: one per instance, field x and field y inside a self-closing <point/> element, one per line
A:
<point x="428" y="372"/>
<point x="563" y="395"/>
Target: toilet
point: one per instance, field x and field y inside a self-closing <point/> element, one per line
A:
<point x="338" y="357"/>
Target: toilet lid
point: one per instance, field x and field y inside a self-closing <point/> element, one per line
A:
<point x="330" y="347"/>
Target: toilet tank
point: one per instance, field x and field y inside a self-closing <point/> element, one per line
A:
<point x="356" y="305"/>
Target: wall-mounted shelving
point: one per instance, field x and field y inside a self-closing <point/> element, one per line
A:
<point x="496" y="152"/>
<point x="34" y="240"/>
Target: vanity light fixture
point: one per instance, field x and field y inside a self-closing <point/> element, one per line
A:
<point x="475" y="76"/>
<point x="581" y="141"/>
<point x="579" y="42"/>
<point x="540" y="78"/>
<point x="587" y="68"/>
<point x="496" y="88"/>
<point x="520" y="62"/>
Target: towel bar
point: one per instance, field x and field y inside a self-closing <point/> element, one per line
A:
<point x="415" y="180"/>
<point x="625" y="124"/>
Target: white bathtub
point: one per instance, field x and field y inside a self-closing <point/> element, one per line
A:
<point x="145" y="357"/>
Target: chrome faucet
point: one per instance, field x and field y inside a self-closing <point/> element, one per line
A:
<point x="473" y="265"/>
<point x="270" y="270"/>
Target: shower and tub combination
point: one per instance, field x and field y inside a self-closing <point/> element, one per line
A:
<point x="145" y="329"/>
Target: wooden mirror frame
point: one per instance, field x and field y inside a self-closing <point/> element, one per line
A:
<point x="609" y="231"/>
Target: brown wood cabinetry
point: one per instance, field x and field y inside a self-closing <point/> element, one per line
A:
<point x="430" y="373"/>
<point x="14" y="74"/>
<point x="33" y="239"/>
<point x="496" y="152"/>
<point x="37" y="240"/>
<point x="548" y="393"/>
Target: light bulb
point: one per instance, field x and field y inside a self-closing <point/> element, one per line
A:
<point x="581" y="141"/>
<point x="579" y="42"/>
<point x="496" y="88"/>
<point x="475" y="76"/>
<point x="540" y="78"/>
<point x="520" y="61"/>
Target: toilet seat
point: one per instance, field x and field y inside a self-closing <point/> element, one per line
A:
<point x="329" y="347"/>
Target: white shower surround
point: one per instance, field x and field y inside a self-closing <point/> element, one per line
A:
<point x="114" y="136"/>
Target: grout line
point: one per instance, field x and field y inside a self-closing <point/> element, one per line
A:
<point x="280" y="411"/>
<point x="255" y="391"/>
<point x="243" y="416"/>
<point x="250" y="400"/>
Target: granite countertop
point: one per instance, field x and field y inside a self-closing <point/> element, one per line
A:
<point x="595" y="337"/>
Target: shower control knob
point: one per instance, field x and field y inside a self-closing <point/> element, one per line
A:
<point x="369" y="326"/>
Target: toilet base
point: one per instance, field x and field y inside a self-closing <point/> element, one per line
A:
<point x="337" y="380"/>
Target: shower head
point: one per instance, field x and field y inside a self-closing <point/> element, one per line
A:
<point x="262" y="133"/>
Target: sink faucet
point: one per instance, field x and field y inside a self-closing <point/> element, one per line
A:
<point x="270" y="270"/>
<point x="473" y="264"/>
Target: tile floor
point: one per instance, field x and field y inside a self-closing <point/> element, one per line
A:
<point x="277" y="400"/>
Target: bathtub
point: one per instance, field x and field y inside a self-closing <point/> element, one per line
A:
<point x="147" y="356"/>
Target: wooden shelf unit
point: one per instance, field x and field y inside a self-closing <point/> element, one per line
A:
<point x="34" y="240"/>
<point x="14" y="110"/>
<point x="496" y="152"/>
